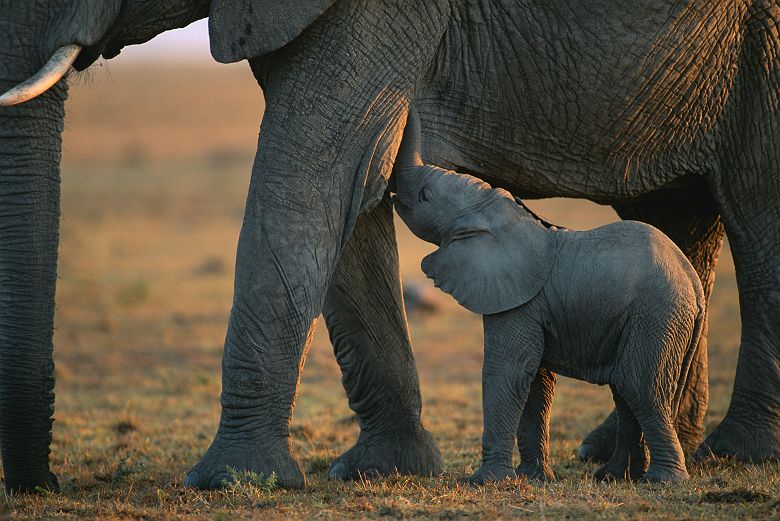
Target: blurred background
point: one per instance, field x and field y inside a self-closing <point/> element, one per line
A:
<point x="158" y="150"/>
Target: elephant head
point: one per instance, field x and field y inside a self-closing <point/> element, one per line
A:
<point x="493" y="254"/>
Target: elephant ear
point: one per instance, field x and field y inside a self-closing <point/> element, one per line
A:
<point x="490" y="272"/>
<point x="242" y="29"/>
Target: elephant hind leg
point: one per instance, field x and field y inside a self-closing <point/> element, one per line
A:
<point x="629" y="459"/>
<point x="750" y="430"/>
<point x="690" y="218"/>
<point x="647" y="382"/>
<point x="667" y="462"/>
<point x="367" y="324"/>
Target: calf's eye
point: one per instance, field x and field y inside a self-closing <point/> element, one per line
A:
<point x="425" y="195"/>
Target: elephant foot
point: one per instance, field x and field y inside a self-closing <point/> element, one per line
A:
<point x="29" y="485"/>
<point x="541" y="472"/>
<point x="619" y="472"/>
<point x="743" y="441"/>
<point x="659" y="474"/>
<point x="599" y="444"/>
<point x="631" y="465"/>
<point x="610" y="472"/>
<point x="212" y="470"/>
<point x="488" y="473"/>
<point x="410" y="453"/>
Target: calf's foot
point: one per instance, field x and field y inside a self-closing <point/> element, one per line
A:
<point x="611" y="472"/>
<point x="492" y="472"/>
<point x="633" y="470"/>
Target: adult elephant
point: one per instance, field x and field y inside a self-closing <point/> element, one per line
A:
<point x="667" y="110"/>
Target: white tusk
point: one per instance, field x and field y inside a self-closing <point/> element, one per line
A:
<point x="44" y="79"/>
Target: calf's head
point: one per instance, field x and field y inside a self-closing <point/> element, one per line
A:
<point x="493" y="255"/>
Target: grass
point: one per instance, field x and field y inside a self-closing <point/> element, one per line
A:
<point x="144" y="290"/>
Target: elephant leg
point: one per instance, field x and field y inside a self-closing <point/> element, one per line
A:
<point x="367" y="324"/>
<point x="514" y="343"/>
<point x="287" y="250"/>
<point x="690" y="218"/>
<point x="29" y="240"/>
<point x="750" y="430"/>
<point x="533" y="433"/>
<point x="667" y="461"/>
<point x="747" y="188"/>
<point x="336" y="102"/>
<point x="630" y="459"/>
<point x="599" y="444"/>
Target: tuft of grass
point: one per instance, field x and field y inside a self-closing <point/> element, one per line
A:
<point x="247" y="478"/>
<point x="248" y="489"/>
<point x="739" y="495"/>
<point x="124" y="470"/>
<point x="318" y="463"/>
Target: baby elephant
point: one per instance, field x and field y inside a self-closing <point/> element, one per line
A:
<point x="618" y="305"/>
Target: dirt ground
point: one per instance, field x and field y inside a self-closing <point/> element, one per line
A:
<point x="156" y="167"/>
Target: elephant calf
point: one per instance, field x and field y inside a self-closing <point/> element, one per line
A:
<point x="618" y="305"/>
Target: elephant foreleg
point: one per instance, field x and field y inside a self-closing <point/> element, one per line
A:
<point x="299" y="210"/>
<point x="367" y="324"/>
<point x="533" y="433"/>
<point x="335" y="105"/>
<point x="691" y="220"/>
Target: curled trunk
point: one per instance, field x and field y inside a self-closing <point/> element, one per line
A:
<point x="408" y="158"/>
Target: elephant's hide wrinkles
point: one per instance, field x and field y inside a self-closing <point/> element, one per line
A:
<point x="29" y="237"/>
<point x="571" y="101"/>
<point x="377" y="165"/>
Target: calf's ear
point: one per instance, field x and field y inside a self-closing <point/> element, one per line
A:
<point x="244" y="29"/>
<point x="491" y="270"/>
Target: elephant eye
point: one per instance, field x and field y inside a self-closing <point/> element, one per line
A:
<point x="425" y="195"/>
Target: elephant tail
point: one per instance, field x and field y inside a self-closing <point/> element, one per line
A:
<point x="693" y="345"/>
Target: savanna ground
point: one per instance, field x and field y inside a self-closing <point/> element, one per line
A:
<point x="156" y="165"/>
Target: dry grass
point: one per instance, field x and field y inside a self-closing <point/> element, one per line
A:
<point x="145" y="287"/>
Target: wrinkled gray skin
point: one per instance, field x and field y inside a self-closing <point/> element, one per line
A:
<point x="665" y="109"/>
<point x="618" y="305"/>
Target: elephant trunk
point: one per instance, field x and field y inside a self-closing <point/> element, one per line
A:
<point x="408" y="158"/>
<point x="30" y="145"/>
<point x="408" y="170"/>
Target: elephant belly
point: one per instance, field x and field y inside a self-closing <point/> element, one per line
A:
<point x="583" y="354"/>
<point x="599" y="99"/>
